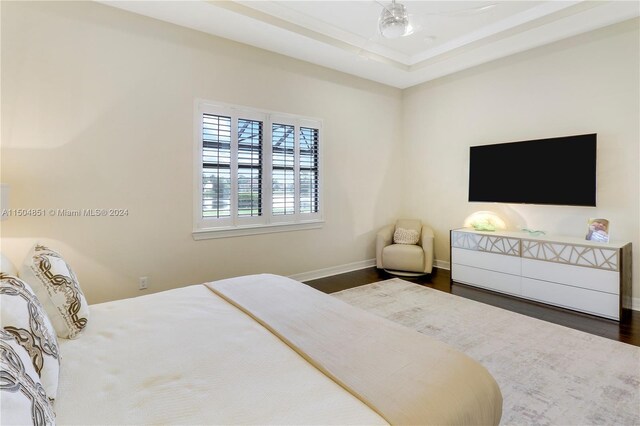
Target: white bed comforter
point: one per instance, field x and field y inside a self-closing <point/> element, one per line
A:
<point x="186" y="356"/>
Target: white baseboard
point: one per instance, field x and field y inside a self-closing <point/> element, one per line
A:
<point x="333" y="270"/>
<point x="635" y="303"/>
<point x="442" y="264"/>
<point x="349" y="267"/>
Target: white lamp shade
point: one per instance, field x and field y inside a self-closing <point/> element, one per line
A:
<point x="485" y="219"/>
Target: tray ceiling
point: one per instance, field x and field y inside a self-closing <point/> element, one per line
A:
<point x="342" y="35"/>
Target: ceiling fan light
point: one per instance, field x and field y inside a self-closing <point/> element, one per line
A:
<point x="393" y="30"/>
<point x="408" y="30"/>
<point x="394" y="21"/>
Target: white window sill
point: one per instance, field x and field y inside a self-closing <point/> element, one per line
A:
<point x="238" y="231"/>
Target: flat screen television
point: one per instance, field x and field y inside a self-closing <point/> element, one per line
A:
<point x="559" y="171"/>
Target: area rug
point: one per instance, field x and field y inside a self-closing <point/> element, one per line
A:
<point x="548" y="374"/>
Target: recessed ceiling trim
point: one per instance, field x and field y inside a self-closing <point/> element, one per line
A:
<point x="470" y="44"/>
<point x="509" y="31"/>
<point x="306" y="32"/>
<point x="369" y="44"/>
<point x="498" y="28"/>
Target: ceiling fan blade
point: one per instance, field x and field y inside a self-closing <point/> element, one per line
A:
<point x="416" y="22"/>
<point x="466" y="12"/>
<point x="384" y="5"/>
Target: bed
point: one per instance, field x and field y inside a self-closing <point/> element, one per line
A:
<point x="262" y="349"/>
<point x="259" y="349"/>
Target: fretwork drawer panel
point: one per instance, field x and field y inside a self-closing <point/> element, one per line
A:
<point x="486" y="243"/>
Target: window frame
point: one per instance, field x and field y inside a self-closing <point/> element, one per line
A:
<point x="234" y="225"/>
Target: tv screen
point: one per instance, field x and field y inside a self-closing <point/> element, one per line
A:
<point x="560" y="171"/>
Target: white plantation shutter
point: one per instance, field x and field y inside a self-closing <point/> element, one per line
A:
<point x="249" y="168"/>
<point x="309" y="170"/>
<point x="216" y="166"/>
<point x="283" y="155"/>
<point x="256" y="170"/>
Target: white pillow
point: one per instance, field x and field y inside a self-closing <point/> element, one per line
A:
<point x="24" y="318"/>
<point x="22" y="397"/>
<point x="406" y="236"/>
<point x="57" y="287"/>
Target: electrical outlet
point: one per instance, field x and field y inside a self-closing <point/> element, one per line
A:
<point x="143" y="283"/>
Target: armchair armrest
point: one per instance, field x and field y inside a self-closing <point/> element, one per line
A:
<point x="383" y="239"/>
<point x="427" y="247"/>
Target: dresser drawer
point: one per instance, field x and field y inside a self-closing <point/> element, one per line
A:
<point x="484" y="260"/>
<point x="504" y="283"/>
<point x="580" y="299"/>
<point x="576" y="276"/>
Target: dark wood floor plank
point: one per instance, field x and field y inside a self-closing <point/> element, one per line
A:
<point x="627" y="331"/>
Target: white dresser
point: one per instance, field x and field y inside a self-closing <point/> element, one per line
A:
<point x="568" y="272"/>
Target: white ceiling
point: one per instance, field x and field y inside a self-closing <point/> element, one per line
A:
<point x="452" y="35"/>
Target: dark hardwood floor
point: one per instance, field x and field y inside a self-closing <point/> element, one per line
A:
<point x="627" y="331"/>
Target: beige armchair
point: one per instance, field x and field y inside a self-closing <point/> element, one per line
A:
<point x="414" y="259"/>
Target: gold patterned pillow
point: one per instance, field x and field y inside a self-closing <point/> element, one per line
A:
<point x="22" y="397"/>
<point x="406" y="236"/>
<point x="24" y="318"/>
<point x="57" y="287"/>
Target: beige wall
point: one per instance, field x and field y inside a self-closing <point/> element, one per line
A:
<point x="586" y="84"/>
<point x="97" y="111"/>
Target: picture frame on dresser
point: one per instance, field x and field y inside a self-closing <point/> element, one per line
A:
<point x="598" y="230"/>
<point x="585" y="276"/>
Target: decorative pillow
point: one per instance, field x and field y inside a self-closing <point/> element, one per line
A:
<point x="24" y="318"/>
<point x="406" y="236"/>
<point x="23" y="399"/>
<point x="57" y="287"/>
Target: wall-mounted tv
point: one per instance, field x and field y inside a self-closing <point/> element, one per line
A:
<point x="560" y="171"/>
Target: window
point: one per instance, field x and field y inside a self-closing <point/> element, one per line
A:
<point x="256" y="171"/>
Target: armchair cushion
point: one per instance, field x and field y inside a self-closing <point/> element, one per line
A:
<point x="403" y="257"/>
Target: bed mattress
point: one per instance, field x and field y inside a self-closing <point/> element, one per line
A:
<point x="263" y="349"/>
<point x="186" y="356"/>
